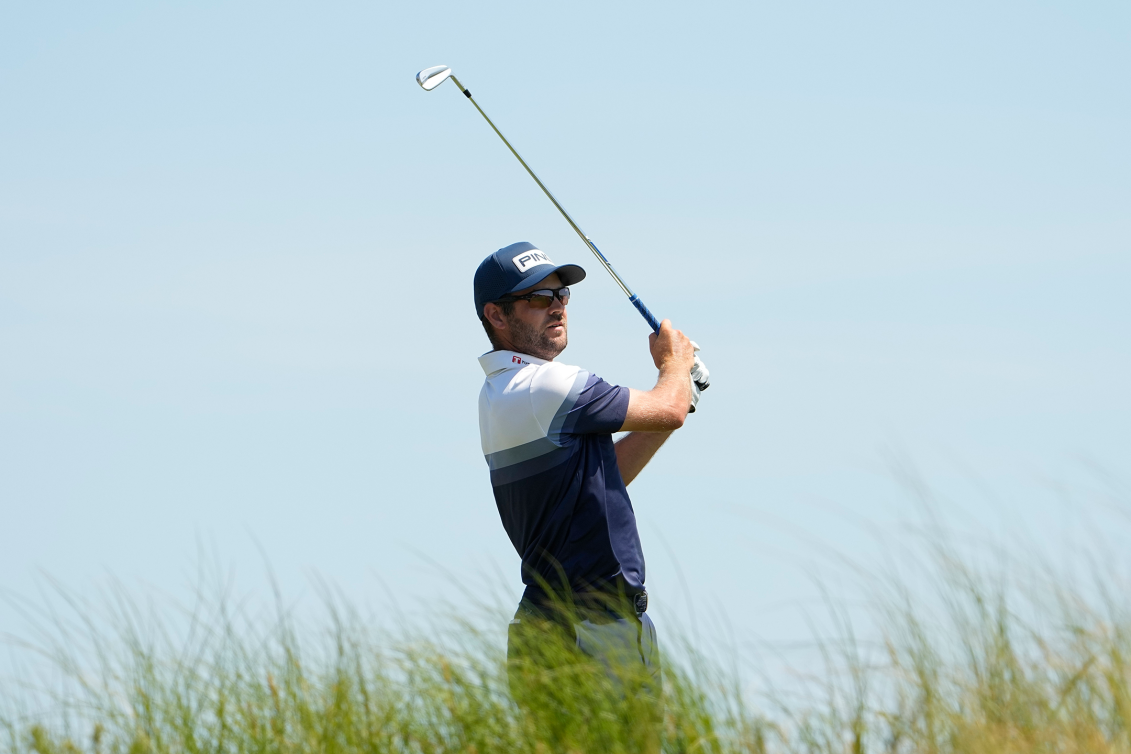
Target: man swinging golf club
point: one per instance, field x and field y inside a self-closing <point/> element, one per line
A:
<point x="559" y="479"/>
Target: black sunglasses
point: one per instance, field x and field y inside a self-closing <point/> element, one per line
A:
<point x="541" y="299"/>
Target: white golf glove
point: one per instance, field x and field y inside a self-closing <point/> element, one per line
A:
<point x="700" y="379"/>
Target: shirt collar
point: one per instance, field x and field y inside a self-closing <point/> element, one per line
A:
<point x="496" y="361"/>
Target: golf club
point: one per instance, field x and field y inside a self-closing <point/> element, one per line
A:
<point x="429" y="79"/>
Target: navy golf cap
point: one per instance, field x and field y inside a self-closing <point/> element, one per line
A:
<point x="515" y="267"/>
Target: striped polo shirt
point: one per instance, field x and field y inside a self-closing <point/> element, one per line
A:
<point x="547" y="437"/>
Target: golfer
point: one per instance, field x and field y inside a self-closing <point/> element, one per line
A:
<point x="559" y="479"/>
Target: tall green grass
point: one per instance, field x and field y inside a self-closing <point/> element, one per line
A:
<point x="994" y="660"/>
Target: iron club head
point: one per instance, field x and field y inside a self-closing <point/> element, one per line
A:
<point x="430" y="78"/>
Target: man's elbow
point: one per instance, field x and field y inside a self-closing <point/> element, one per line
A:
<point x="674" y="418"/>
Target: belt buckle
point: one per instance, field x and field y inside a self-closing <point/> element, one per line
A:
<point x="640" y="602"/>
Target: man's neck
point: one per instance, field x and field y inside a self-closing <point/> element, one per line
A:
<point x="505" y="346"/>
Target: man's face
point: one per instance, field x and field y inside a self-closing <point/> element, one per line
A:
<point x="539" y="332"/>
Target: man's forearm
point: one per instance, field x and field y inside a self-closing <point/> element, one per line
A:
<point x="664" y="407"/>
<point x="635" y="450"/>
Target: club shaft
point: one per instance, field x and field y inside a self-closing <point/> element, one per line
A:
<point x="632" y="297"/>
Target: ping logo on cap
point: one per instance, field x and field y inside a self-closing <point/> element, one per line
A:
<point x="528" y="259"/>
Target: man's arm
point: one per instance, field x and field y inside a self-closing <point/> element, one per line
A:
<point x="664" y="407"/>
<point x="635" y="450"/>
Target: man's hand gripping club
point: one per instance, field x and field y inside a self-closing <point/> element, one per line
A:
<point x="665" y="407"/>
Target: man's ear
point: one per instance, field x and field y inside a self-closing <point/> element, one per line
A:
<point x="494" y="315"/>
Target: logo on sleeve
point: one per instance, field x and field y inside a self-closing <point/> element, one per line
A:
<point x="528" y="259"/>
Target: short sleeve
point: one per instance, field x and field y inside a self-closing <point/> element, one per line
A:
<point x="600" y="408"/>
<point x="568" y="400"/>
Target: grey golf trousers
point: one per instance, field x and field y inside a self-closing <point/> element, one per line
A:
<point x="603" y="635"/>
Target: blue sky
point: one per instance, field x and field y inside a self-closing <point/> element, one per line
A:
<point x="236" y="248"/>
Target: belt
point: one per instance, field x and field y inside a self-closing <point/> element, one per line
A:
<point x="606" y="599"/>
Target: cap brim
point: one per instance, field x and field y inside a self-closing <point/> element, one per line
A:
<point x="567" y="273"/>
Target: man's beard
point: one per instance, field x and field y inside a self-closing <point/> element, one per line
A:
<point x="529" y="339"/>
